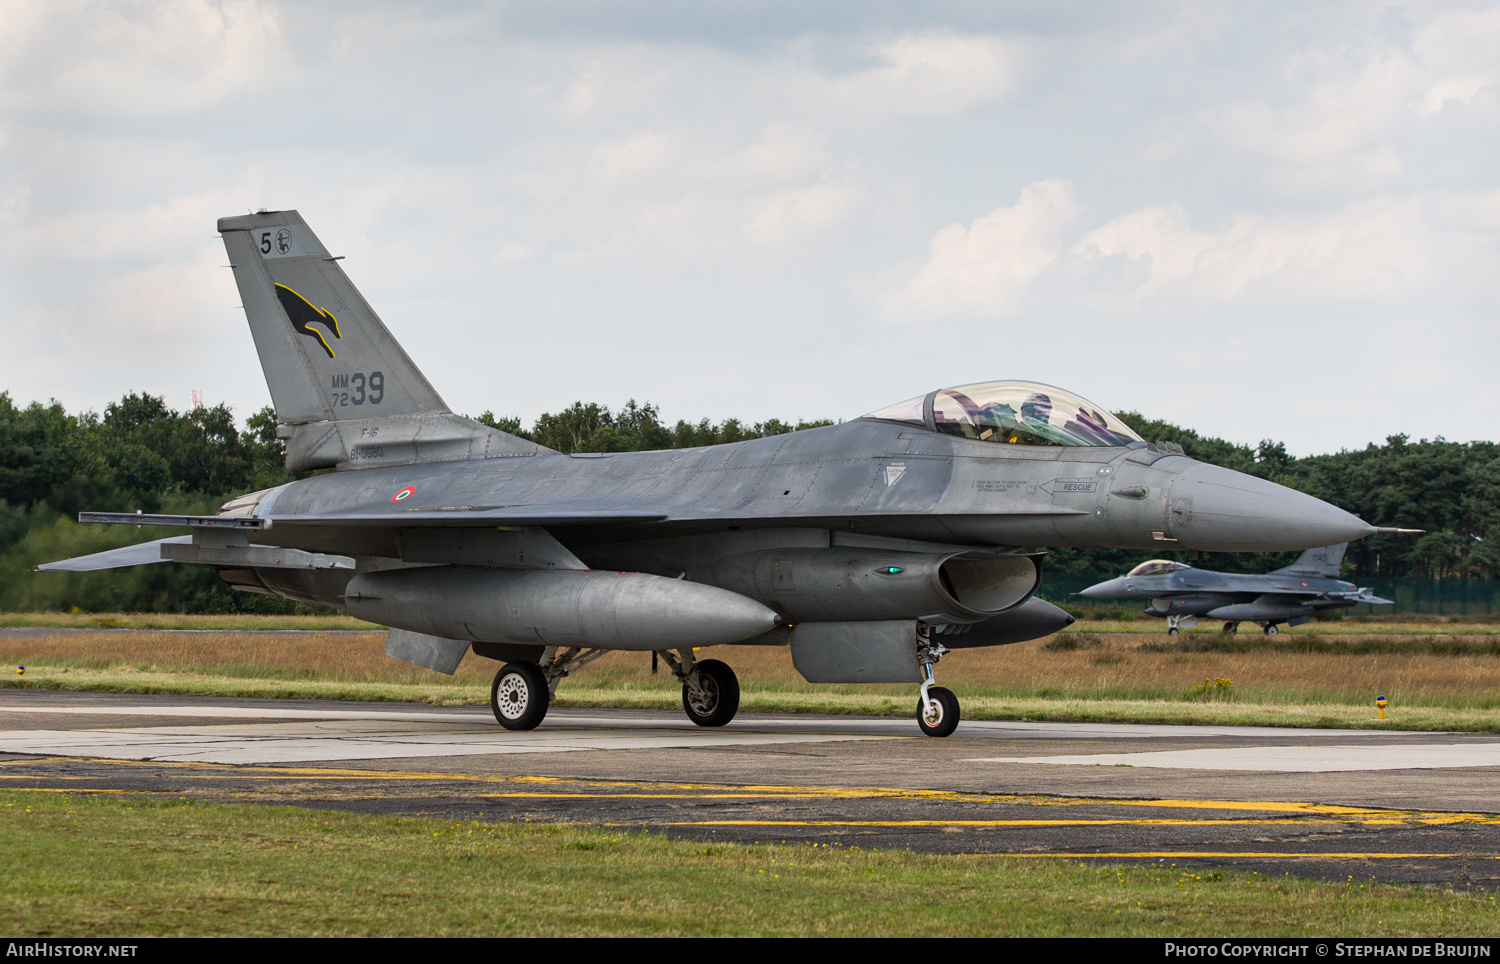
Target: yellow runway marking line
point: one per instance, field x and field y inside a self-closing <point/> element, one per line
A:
<point x="1104" y="822"/>
<point x="775" y="791"/>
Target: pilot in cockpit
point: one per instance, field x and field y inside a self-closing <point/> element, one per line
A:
<point x="1036" y="409"/>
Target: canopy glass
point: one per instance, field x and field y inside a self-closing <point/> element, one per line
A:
<point x="1018" y="413"/>
<point x="1156" y="567"/>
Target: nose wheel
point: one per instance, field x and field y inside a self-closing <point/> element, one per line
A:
<point x="937" y="713"/>
<point x="937" y="707"/>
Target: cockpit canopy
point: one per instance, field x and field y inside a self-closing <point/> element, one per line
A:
<point x="1156" y="567"/>
<point x="1020" y="413"/>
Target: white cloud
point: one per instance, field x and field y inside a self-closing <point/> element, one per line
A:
<point x="781" y="215"/>
<point x="934" y="73"/>
<point x="984" y="268"/>
<point x="1366" y="250"/>
<point x="1461" y="50"/>
<point x="146" y="58"/>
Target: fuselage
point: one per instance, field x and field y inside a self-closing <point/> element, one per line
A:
<point x="867" y="478"/>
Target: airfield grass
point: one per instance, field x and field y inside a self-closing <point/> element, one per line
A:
<point x="81" y="866"/>
<point x="1305" y="679"/>
<point x="201" y="621"/>
<point x="1102" y="619"/>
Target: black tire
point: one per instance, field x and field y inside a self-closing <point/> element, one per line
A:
<point x="947" y="717"/>
<point x="519" y="696"/>
<point x="722" y="691"/>
<point x="1271" y="630"/>
<point x="1231" y="627"/>
<point x="1172" y="631"/>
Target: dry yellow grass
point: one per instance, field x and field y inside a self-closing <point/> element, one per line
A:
<point x="81" y="620"/>
<point x="1119" y="676"/>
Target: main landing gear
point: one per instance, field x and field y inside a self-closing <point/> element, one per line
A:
<point x="1231" y="627"/>
<point x="1270" y="629"/>
<point x="1172" y="622"/>
<point x="710" y="690"/>
<point x="937" y="708"/>
<point x="522" y="691"/>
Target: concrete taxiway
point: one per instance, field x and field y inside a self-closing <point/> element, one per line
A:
<point x="1333" y="803"/>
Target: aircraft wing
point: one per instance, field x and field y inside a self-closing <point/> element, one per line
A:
<point x="453" y="516"/>
<point x="501" y="516"/>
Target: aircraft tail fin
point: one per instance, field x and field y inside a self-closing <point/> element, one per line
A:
<point x="346" y="394"/>
<point x="1324" y="561"/>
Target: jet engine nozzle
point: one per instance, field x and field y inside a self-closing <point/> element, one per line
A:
<point x="1216" y="509"/>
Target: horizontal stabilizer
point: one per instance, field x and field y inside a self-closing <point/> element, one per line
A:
<point x="141" y="554"/>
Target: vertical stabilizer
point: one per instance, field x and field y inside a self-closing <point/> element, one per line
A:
<point x="345" y="392"/>
<point x="1318" y="562"/>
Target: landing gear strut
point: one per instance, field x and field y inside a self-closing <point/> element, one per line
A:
<point x="522" y="691"/>
<point x="937" y="708"/>
<point x="710" y="690"/>
<point x="1172" y="622"/>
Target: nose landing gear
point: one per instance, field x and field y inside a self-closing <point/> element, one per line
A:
<point x="937" y="707"/>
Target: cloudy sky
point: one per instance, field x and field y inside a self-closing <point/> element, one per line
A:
<point x="1259" y="220"/>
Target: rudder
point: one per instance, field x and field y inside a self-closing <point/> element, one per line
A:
<point x="1324" y="561"/>
<point x="346" y="394"/>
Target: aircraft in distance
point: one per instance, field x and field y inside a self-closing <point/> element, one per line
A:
<point x="871" y="547"/>
<point x="1180" y="594"/>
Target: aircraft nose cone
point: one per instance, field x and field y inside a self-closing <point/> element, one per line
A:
<point x="1101" y="590"/>
<point x="1213" y="508"/>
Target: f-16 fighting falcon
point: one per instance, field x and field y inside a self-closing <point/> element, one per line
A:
<point x="1290" y="595"/>
<point x="871" y="547"/>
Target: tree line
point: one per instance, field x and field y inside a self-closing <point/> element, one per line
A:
<point x="141" y="454"/>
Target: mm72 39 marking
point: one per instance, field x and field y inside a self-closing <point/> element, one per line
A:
<point x="358" y="388"/>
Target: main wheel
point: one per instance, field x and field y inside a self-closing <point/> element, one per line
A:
<point x="1231" y="627"/>
<point x="939" y="717"/>
<point x="519" y="696"/>
<point x="1172" y="631"/>
<point x="1271" y="630"/>
<point x="719" y="694"/>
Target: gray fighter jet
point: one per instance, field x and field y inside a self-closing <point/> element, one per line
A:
<point x="1180" y="594"/>
<point x="871" y="547"/>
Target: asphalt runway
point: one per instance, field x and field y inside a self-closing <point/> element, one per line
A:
<point x="1416" y="807"/>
